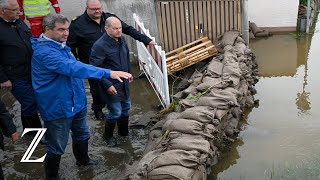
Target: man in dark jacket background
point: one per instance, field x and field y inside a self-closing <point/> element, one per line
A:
<point x="84" y="31"/>
<point x="7" y="128"/>
<point x="15" y="61"/>
<point x="111" y="52"/>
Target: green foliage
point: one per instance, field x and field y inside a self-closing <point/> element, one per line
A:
<point x="303" y="2"/>
<point x="297" y="36"/>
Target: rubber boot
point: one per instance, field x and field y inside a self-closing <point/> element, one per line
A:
<point x="98" y="114"/>
<point x="32" y="121"/>
<point x="80" y="151"/>
<point x="123" y="126"/>
<point x="108" y="134"/>
<point x="51" y="167"/>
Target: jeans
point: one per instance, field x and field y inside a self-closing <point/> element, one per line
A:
<point x="118" y="109"/>
<point x="57" y="134"/>
<point x="22" y="90"/>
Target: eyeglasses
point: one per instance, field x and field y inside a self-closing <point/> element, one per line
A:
<point x="13" y="10"/>
<point x="95" y="9"/>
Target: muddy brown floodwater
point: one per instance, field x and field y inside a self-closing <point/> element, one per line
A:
<point x="285" y="127"/>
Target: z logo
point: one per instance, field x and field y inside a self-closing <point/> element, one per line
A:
<point x="33" y="145"/>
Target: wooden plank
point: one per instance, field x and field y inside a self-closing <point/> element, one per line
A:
<point x="200" y="18"/>
<point x="235" y="14"/>
<point x="239" y="15"/>
<point x="222" y="19"/>
<point x="178" y="23"/>
<point x="169" y="26"/>
<point x="209" y="27"/>
<point x="226" y="16"/>
<point x="188" y="45"/>
<point x="164" y="25"/>
<point x="214" y="20"/>
<point x="191" y="18"/>
<point x="217" y="3"/>
<point x="158" y="10"/>
<point x="205" y="19"/>
<point x="188" y="21"/>
<point x="196" y="20"/>
<point x="231" y="10"/>
<point x="173" y="25"/>
<point x="190" y="51"/>
<point x="183" y="22"/>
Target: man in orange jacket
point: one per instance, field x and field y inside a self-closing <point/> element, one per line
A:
<point x="35" y="11"/>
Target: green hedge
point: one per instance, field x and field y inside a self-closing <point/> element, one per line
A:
<point x="304" y="2"/>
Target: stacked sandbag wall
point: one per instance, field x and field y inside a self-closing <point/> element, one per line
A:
<point x="186" y="144"/>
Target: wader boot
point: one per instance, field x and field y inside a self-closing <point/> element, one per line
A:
<point x="98" y="114"/>
<point x="51" y="167"/>
<point x="80" y="151"/>
<point x="32" y="121"/>
<point x="108" y="134"/>
<point x="123" y="126"/>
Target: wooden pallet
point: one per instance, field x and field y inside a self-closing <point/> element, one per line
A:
<point x="190" y="54"/>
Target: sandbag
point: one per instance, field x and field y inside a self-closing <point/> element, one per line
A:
<point x="157" y="158"/>
<point x="187" y="142"/>
<point x="230" y="37"/>
<point x="209" y="83"/>
<point x="204" y="114"/>
<point x="189" y="126"/>
<point x="254" y="28"/>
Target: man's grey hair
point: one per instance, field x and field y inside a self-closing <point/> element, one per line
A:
<point x="51" y="20"/>
<point x="89" y="1"/>
<point x="4" y="3"/>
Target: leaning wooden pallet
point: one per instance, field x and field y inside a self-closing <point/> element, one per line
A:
<point x="190" y="54"/>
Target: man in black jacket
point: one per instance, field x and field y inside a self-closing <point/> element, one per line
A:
<point x="15" y="61"/>
<point x="84" y="31"/>
<point x="7" y="128"/>
<point x="111" y="52"/>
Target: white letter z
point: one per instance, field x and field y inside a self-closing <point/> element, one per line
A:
<point x="33" y="145"/>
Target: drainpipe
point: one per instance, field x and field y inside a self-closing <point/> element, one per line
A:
<point x="245" y="21"/>
<point x="308" y="17"/>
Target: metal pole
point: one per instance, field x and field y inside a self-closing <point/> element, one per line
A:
<point x="245" y="21"/>
<point x="308" y="17"/>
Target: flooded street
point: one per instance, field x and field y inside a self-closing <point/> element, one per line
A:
<point x="112" y="161"/>
<point x="285" y="127"/>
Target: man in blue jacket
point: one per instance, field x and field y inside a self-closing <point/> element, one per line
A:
<point x="60" y="93"/>
<point x="111" y="52"/>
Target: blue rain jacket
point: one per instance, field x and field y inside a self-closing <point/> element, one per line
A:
<point x="57" y="79"/>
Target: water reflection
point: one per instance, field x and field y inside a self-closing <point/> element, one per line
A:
<point x="285" y="126"/>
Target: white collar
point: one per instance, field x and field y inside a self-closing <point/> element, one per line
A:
<point x="61" y="44"/>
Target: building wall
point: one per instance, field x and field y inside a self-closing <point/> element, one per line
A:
<point x="274" y="13"/>
<point x="145" y="9"/>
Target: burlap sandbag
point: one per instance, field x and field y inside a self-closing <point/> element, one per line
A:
<point x="189" y="126"/>
<point x="204" y="114"/>
<point x="215" y="102"/>
<point x="187" y="142"/>
<point x="215" y="68"/>
<point x="230" y="37"/>
<point x="209" y="83"/>
<point x="228" y="93"/>
<point x="240" y="47"/>
<point x="172" y="172"/>
<point x="157" y="158"/>
<point x="254" y="28"/>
